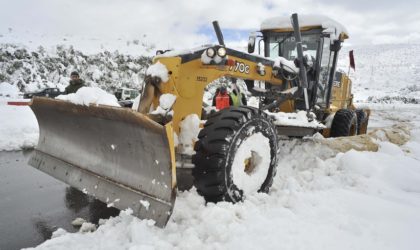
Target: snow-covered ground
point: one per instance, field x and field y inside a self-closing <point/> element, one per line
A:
<point x="321" y="199"/>
<point x="18" y="126"/>
<point x="325" y="194"/>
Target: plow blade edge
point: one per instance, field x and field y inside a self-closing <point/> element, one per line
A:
<point x="117" y="155"/>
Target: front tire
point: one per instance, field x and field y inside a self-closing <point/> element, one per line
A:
<point x="344" y="123"/>
<point x="236" y="155"/>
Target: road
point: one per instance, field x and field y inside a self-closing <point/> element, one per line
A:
<point x="33" y="204"/>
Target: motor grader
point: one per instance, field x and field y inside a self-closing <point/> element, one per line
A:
<point x="130" y="158"/>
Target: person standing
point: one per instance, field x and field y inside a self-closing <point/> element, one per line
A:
<point x="75" y="83"/>
<point x="238" y="99"/>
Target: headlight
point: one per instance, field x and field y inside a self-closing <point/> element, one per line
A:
<point x="221" y="52"/>
<point x="210" y="52"/>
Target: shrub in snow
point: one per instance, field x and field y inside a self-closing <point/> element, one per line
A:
<point x="34" y="70"/>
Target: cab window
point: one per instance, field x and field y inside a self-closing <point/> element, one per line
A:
<point x="324" y="72"/>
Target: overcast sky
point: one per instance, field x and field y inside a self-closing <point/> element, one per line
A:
<point x="182" y="23"/>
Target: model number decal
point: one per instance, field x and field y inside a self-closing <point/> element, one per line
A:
<point x="241" y="67"/>
<point x="201" y="78"/>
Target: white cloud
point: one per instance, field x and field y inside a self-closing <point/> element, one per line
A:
<point x="177" y="23"/>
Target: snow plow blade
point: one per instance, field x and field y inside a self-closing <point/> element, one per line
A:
<point x="117" y="155"/>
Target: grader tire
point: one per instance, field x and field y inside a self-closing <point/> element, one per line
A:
<point x="219" y="140"/>
<point x="361" y="117"/>
<point x="344" y="123"/>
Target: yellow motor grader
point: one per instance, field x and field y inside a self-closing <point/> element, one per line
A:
<point x="131" y="158"/>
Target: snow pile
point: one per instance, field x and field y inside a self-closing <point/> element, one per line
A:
<point x="158" y="70"/>
<point x="90" y="95"/>
<point x="8" y="90"/>
<point x="78" y="222"/>
<point x="319" y="200"/>
<point x="18" y="127"/>
<point x="190" y="127"/>
<point x="87" y="227"/>
<point x="58" y="233"/>
<point x="166" y="101"/>
<point x="298" y="119"/>
<point x="254" y="150"/>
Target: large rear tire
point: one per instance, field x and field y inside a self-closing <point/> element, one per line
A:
<point x="236" y="155"/>
<point x="344" y="123"/>
<point x="361" y="119"/>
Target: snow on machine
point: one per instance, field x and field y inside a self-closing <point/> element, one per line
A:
<point x="137" y="159"/>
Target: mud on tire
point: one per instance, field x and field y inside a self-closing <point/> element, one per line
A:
<point x="218" y="142"/>
<point x="344" y="123"/>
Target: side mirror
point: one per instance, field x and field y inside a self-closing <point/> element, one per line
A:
<point x="251" y="42"/>
<point x="335" y="46"/>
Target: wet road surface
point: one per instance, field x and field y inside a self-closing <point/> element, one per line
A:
<point x="33" y="204"/>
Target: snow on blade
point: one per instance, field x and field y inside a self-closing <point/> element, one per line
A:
<point x="90" y="95"/>
<point x="159" y="70"/>
<point x="298" y="119"/>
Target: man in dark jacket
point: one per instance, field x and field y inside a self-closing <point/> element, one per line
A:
<point x="75" y="83"/>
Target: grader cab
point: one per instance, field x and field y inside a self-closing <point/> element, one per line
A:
<point x="137" y="159"/>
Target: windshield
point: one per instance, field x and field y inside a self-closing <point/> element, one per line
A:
<point x="284" y="45"/>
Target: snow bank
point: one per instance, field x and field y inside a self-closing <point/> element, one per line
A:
<point x="90" y="95"/>
<point x="159" y="70"/>
<point x="298" y="119"/>
<point x="8" y="90"/>
<point x="18" y="127"/>
<point x="321" y="198"/>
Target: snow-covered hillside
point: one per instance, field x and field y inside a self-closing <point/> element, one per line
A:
<point x="31" y="70"/>
<point x="385" y="73"/>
